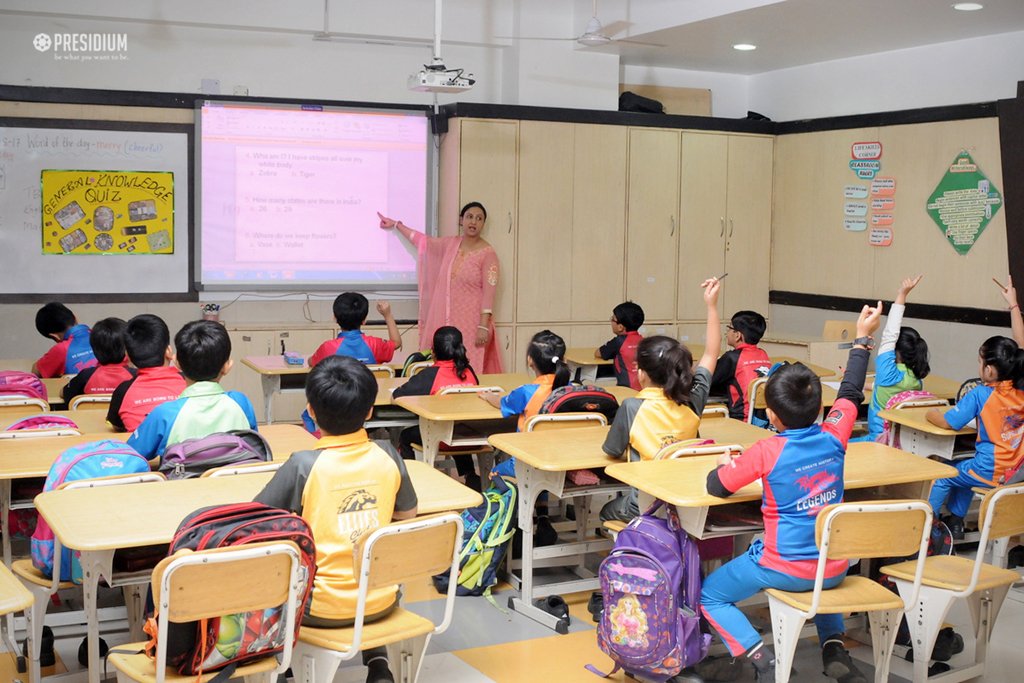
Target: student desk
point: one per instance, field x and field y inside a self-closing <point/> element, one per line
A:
<point x="872" y="471"/>
<point x="438" y="415"/>
<point x="582" y="358"/>
<point x="98" y="521"/>
<point x="828" y="354"/>
<point x="918" y="435"/>
<point x="271" y="369"/>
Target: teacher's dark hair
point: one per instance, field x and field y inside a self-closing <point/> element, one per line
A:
<point x="473" y="205"/>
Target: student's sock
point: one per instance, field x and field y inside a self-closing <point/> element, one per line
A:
<point x="378" y="671"/>
<point x="761" y="656"/>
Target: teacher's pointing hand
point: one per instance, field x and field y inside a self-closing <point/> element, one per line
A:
<point x="387" y="223"/>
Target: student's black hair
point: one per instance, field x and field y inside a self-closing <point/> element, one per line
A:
<point x="341" y="392"/>
<point x="544" y="348"/>
<point x="54" y="318"/>
<point x="107" y="341"/>
<point x="629" y="315"/>
<point x="793" y="393"/>
<point x="448" y="346"/>
<point x="350" y="310"/>
<point x="750" y="324"/>
<point x="473" y="205"/>
<point x="669" y="364"/>
<point x="913" y="352"/>
<point x="1003" y="354"/>
<point x="146" y="339"/>
<point x="202" y="348"/>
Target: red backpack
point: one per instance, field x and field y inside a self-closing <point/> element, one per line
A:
<point x="19" y="383"/>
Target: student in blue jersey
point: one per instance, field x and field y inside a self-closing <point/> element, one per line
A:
<point x="801" y="472"/>
<point x="350" y="311"/>
<point x="73" y="353"/>
<point x="545" y="356"/>
<point x="901" y="363"/>
<point x="203" y="351"/>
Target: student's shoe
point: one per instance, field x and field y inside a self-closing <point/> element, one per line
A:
<point x="687" y="675"/>
<point x="378" y="671"/>
<point x="724" y="668"/>
<point x="47" y="657"/>
<point x="956" y="527"/>
<point x="596" y="605"/>
<point x="766" y="676"/>
<point x="544" y="533"/>
<point x="83" y="651"/>
<point x="473" y="481"/>
<point x="839" y="664"/>
<point x="947" y="644"/>
<point x="553" y="605"/>
<point x="1015" y="558"/>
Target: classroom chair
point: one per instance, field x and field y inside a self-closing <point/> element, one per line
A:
<point x="90" y="402"/>
<point x="682" y="449"/>
<point x="382" y="371"/>
<point x="547" y="421"/>
<point x="715" y="410"/>
<point x="393" y="554"/>
<point x="14" y="597"/>
<point x="851" y="531"/>
<point x="468" y="444"/>
<point x="755" y="397"/>
<point x="249" y="468"/>
<point x="42" y="587"/>
<point x="948" y="578"/>
<point x="415" y="368"/>
<point x="190" y="586"/>
<point x="839" y="330"/>
<point x="21" y="405"/>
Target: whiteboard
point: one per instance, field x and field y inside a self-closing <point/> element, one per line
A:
<point x="25" y="151"/>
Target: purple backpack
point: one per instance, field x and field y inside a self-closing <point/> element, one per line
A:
<point x="191" y="457"/>
<point x="105" y="458"/>
<point x="650" y="626"/>
<point x="19" y="383"/>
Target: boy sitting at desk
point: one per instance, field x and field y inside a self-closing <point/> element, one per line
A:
<point x="801" y="471"/>
<point x="744" y="362"/>
<point x="627" y="318"/>
<point x="350" y="311"/>
<point x="148" y="343"/>
<point x="72" y="353"/>
<point x="107" y="341"/>
<point x="204" y="356"/>
<point x="345" y="489"/>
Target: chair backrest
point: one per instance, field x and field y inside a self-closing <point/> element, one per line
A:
<point x="248" y="468"/>
<point x="885" y="528"/>
<point x="189" y="586"/>
<point x="755" y="397"/>
<point x="90" y="402"/>
<point x="469" y="389"/>
<point x="382" y="371"/>
<point x="547" y="421"/>
<point x="416" y="367"/>
<point x="839" y="330"/>
<point x="696" y="447"/>
<point x="967" y="385"/>
<point x="714" y="410"/>
<point x="118" y="480"/>
<point x="22" y="405"/>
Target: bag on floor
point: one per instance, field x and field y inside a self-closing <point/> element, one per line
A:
<point x="191" y="457"/>
<point x="234" y="639"/>
<point x="650" y="582"/>
<point x="19" y="383"/>
<point x="105" y="458"/>
<point x="486" y="532"/>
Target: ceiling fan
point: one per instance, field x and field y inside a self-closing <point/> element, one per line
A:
<point x="596" y="34"/>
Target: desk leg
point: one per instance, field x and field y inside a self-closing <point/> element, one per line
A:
<point x="94" y="565"/>
<point x="433" y="433"/>
<point x="271" y="386"/>
<point x="5" y="510"/>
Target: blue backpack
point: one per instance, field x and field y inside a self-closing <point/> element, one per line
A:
<point x="105" y="458"/>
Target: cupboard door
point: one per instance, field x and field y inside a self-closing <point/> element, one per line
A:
<point x="703" y="220"/>
<point x="748" y="229"/>
<point x="487" y="174"/>
<point x="652" y="230"/>
<point x="243" y="378"/>
<point x="507" y="347"/>
<point x="523" y="336"/>
<point x="544" y="241"/>
<point x="598" y="220"/>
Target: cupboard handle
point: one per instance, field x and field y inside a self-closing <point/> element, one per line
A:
<point x="730" y="228"/>
<point x="246" y="338"/>
<point x="721" y="223"/>
<point x="672" y="232"/>
<point x="510" y="222"/>
<point x="508" y="341"/>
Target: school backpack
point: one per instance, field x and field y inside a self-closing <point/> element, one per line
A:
<point x="106" y="458"/>
<point x="191" y="457"/>
<point x="18" y="383"/>
<point x="581" y="398"/>
<point x="486" y="532"/>
<point x="650" y="582"/>
<point x="416" y="357"/>
<point x="234" y="639"/>
<point x="894" y="400"/>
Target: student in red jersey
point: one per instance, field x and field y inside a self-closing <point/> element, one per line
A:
<point x="450" y="369"/>
<point x="107" y="340"/>
<point x="743" y="363"/>
<point x="148" y="343"/>
<point x="626" y="319"/>
<point x="801" y="472"/>
<point x="350" y="311"/>
<point x="72" y="352"/>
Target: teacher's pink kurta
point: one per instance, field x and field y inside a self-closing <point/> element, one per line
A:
<point x="454" y="291"/>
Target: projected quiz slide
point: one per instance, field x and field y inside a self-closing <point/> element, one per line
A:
<point x="290" y="194"/>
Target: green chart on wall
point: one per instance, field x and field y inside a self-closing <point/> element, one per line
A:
<point x="963" y="203"/>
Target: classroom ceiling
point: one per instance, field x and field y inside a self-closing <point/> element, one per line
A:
<point x="799" y="32"/>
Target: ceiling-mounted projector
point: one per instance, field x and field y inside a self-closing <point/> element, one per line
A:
<point x="436" y="77"/>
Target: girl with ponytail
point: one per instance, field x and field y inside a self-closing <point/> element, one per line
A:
<point x="667" y="409"/>
<point x="545" y="356"/>
<point x="998" y="405"/>
<point x="901" y="363"/>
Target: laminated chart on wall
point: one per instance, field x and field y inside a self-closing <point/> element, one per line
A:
<point x="107" y="212"/>
<point x="963" y="203"/>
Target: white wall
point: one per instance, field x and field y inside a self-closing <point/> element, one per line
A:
<point x="729" y="92"/>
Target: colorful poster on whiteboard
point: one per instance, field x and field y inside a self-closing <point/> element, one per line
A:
<point x="107" y="212"/>
<point x="963" y="203"/>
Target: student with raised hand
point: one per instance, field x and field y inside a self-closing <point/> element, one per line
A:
<point x="901" y="363"/>
<point x="1016" y="321"/>
<point x="668" y="408"/>
<point x="998" y="405"/>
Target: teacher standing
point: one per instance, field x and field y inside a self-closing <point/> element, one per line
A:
<point x="458" y="279"/>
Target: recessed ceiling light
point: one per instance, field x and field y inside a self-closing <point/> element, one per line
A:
<point x="968" y="6"/>
<point x="745" y="47"/>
